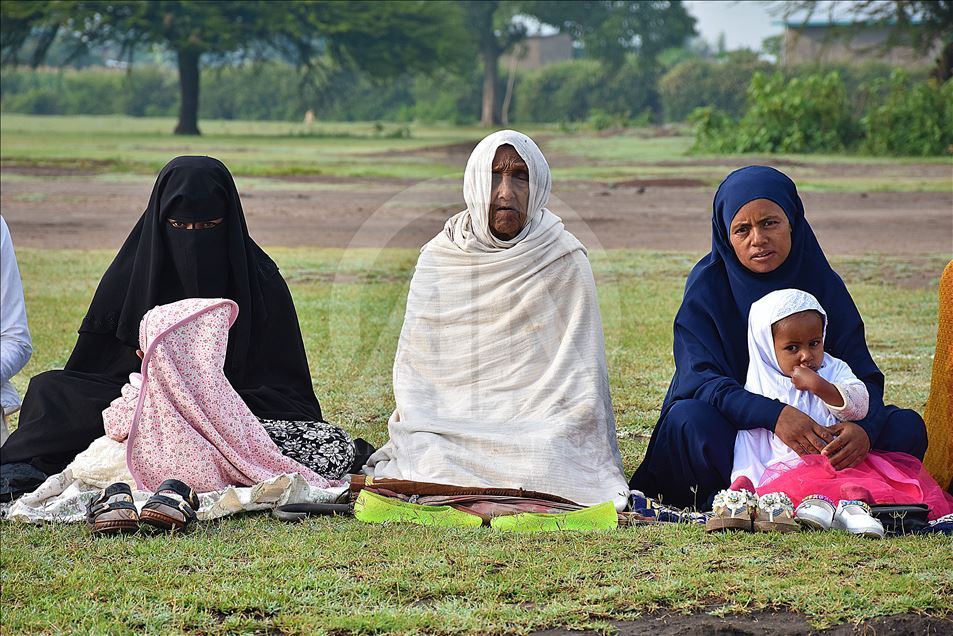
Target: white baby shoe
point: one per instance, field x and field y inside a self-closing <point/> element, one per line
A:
<point x="815" y="512"/>
<point x="854" y="516"/>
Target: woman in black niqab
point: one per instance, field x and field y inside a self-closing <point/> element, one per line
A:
<point x="204" y="252"/>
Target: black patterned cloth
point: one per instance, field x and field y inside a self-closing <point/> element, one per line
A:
<point x="324" y="448"/>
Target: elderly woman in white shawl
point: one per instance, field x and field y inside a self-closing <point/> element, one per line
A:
<point x="500" y="376"/>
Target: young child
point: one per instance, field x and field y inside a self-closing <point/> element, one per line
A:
<point x="787" y="362"/>
<point x="181" y="418"/>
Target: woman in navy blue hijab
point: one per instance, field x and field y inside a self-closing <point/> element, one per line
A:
<point x="761" y="242"/>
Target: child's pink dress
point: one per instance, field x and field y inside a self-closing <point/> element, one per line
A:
<point x="181" y="418"/>
<point x="889" y="477"/>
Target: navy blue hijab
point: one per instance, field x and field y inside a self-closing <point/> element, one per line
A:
<point x="710" y="348"/>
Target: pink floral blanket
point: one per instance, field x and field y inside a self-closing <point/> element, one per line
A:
<point x="181" y="418"/>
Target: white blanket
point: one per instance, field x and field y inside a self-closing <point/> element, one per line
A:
<point x="500" y="377"/>
<point x="63" y="497"/>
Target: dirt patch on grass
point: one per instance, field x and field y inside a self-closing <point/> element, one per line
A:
<point x="65" y="210"/>
<point x="60" y="168"/>
<point x="661" y="183"/>
<point x="766" y="624"/>
<point x="444" y="151"/>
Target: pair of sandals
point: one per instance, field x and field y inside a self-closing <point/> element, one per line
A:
<point x="114" y="511"/>
<point x="743" y="510"/>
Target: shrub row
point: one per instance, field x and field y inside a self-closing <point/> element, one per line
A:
<point x="267" y="91"/>
<point x="815" y="114"/>
<point x="802" y="110"/>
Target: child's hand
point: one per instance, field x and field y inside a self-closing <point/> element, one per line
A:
<point x="849" y="448"/>
<point x="805" y="379"/>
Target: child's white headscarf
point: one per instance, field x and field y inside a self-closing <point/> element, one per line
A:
<point x="764" y="372"/>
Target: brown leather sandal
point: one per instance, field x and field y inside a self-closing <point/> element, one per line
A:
<point x="168" y="513"/>
<point x="113" y="512"/>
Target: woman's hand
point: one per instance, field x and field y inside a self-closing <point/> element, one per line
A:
<point x="801" y="433"/>
<point x="849" y="447"/>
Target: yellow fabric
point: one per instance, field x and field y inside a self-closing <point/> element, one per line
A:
<point x="939" y="411"/>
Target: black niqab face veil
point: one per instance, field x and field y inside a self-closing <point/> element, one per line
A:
<point x="160" y="264"/>
<point x="197" y="258"/>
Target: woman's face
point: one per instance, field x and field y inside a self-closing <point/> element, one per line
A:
<point x="761" y="236"/>
<point x="509" y="193"/>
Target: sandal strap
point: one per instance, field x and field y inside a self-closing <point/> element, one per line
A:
<point x="179" y="504"/>
<point x="856" y="502"/>
<point x="182" y="489"/>
<point x="97" y="508"/>
<point x="816" y="498"/>
<point x="118" y="488"/>
<point x="297" y="512"/>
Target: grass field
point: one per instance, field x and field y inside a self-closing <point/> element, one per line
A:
<point x="127" y="145"/>
<point x="256" y="575"/>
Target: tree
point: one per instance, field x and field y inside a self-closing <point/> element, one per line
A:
<point x="918" y="23"/>
<point x="607" y="29"/>
<point x="377" y="37"/>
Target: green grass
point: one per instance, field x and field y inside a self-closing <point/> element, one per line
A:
<point x="122" y="146"/>
<point x="254" y="574"/>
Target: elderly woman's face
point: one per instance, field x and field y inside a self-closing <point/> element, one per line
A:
<point x="761" y="236"/>
<point x="509" y="193"/>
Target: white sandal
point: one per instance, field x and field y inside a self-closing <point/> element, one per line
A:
<point x="815" y="512"/>
<point x="855" y="517"/>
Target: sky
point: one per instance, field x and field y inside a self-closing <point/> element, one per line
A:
<point x="745" y="24"/>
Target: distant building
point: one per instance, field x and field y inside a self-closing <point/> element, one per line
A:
<point x="848" y="43"/>
<point x="540" y="50"/>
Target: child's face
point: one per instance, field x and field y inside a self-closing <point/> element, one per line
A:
<point x="799" y="341"/>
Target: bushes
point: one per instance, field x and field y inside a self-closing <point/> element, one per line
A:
<point x="268" y="90"/>
<point x="805" y="114"/>
<point x="913" y="120"/>
<point x="580" y="90"/>
<point x="717" y="84"/>
<point x="794" y="111"/>
<point x="814" y="114"/>
<point x="445" y="96"/>
<point x="148" y="91"/>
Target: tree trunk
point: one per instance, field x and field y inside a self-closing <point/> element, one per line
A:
<point x="189" y="98"/>
<point x="491" y="59"/>
<point x="943" y="70"/>
<point x="508" y="95"/>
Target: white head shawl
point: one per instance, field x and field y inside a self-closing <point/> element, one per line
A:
<point x="470" y="229"/>
<point x="764" y="372"/>
<point x="500" y="376"/>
